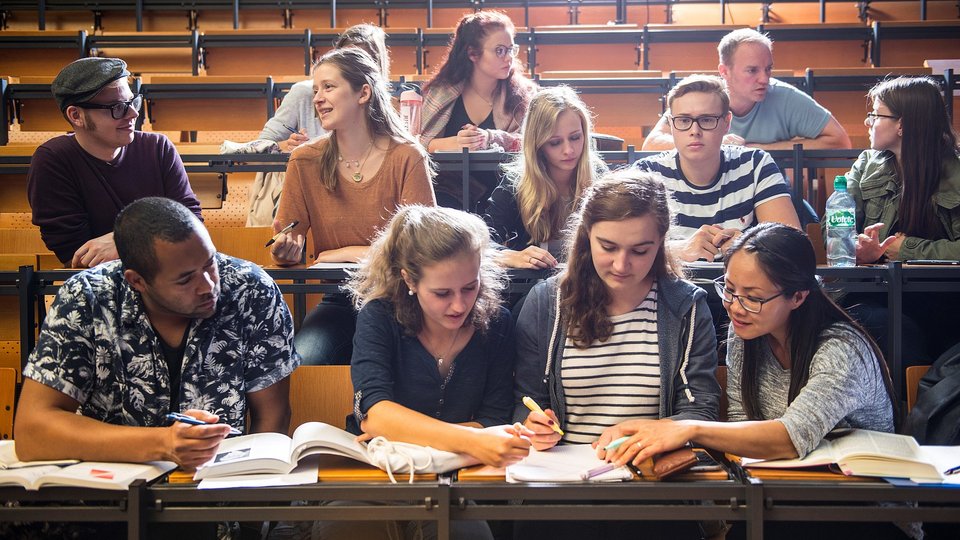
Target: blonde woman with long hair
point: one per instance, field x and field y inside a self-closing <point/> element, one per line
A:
<point x="543" y="184"/>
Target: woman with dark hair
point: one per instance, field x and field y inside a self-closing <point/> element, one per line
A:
<point x="906" y="189"/>
<point x="545" y="181"/>
<point x="343" y="187"/>
<point x="617" y="335"/>
<point x="799" y="366"/>
<point x="913" y="158"/>
<point x="479" y="96"/>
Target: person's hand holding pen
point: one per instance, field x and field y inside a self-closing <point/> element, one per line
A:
<point x="543" y="424"/>
<point x="285" y="248"/>
<point x="191" y="445"/>
<point x="295" y="139"/>
<point x="473" y="138"/>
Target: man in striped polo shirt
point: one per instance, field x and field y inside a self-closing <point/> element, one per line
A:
<point x="718" y="190"/>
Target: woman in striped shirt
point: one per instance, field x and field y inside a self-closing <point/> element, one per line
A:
<point x="617" y="335"/>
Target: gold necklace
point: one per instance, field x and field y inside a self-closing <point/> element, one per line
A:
<point x="449" y="349"/>
<point x="485" y="100"/>
<point x="358" y="163"/>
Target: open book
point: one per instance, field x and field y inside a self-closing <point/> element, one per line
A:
<point x="277" y="453"/>
<point x="91" y="474"/>
<point x="566" y="463"/>
<point x="9" y="459"/>
<point x="860" y="452"/>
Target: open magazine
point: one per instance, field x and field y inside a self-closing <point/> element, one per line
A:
<point x="91" y="474"/>
<point x="277" y="453"/>
<point x="860" y="452"/>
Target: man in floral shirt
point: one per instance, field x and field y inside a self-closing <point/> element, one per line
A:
<point x="173" y="326"/>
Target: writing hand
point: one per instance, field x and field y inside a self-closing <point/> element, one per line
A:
<point x="191" y="446"/>
<point x="541" y="425"/>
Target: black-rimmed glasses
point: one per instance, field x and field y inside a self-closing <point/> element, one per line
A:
<point x="502" y="51"/>
<point x="872" y="118"/>
<point x="748" y="303"/>
<point x="706" y="122"/>
<point x="117" y="110"/>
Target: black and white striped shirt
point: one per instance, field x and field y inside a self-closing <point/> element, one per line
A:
<point x="615" y="380"/>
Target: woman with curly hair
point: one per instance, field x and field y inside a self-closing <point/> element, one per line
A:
<point x="543" y="184"/>
<point x="433" y="352"/>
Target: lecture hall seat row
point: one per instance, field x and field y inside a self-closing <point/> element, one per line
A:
<point x="142" y="15"/>
<point x="663" y="47"/>
<point x="625" y="103"/>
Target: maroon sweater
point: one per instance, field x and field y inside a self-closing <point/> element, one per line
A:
<point x="76" y="197"/>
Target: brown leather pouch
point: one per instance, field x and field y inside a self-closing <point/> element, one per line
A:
<point x="669" y="463"/>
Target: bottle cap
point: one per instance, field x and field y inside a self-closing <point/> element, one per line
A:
<point x="410" y="95"/>
<point x="840" y="183"/>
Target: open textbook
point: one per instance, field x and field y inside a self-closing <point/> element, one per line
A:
<point x="566" y="463"/>
<point x="91" y="474"/>
<point x="9" y="459"/>
<point x="277" y="453"/>
<point x="860" y="452"/>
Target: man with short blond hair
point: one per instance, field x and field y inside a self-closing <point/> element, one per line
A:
<point x="767" y="113"/>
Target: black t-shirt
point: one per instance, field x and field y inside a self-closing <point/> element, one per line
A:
<point x="174" y="358"/>
<point x="459" y="117"/>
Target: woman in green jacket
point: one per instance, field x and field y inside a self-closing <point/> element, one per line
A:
<point x="907" y="186"/>
<point x="907" y="190"/>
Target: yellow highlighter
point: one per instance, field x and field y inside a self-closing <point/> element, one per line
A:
<point x="532" y="405"/>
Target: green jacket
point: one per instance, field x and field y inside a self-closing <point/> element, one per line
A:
<point x="876" y="190"/>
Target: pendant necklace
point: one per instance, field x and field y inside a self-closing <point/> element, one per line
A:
<point x="358" y="163"/>
<point x="449" y="349"/>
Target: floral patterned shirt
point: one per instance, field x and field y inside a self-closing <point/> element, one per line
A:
<point x="97" y="346"/>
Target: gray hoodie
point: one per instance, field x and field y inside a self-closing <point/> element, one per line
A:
<point x="689" y="388"/>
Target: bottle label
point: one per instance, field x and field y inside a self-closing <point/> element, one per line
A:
<point x="841" y="218"/>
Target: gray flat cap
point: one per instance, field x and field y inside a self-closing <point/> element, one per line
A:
<point x="83" y="78"/>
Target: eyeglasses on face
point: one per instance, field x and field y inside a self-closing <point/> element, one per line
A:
<point x="502" y="51"/>
<point x="117" y="110"/>
<point x="748" y="303"/>
<point x="706" y="122"/>
<point x="872" y="117"/>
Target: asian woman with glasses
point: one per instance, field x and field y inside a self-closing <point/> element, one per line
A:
<point x="478" y="98"/>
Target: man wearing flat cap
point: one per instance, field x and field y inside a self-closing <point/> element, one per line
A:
<point x="79" y="182"/>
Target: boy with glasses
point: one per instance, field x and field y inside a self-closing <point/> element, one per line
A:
<point x="718" y="190"/>
<point x="79" y="182"/>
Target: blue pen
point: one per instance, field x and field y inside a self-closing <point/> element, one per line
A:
<point x="952" y="470"/>
<point x="616" y="444"/>
<point x="290" y="129"/>
<point x="177" y="417"/>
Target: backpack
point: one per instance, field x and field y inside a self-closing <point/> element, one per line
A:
<point x="935" y="418"/>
